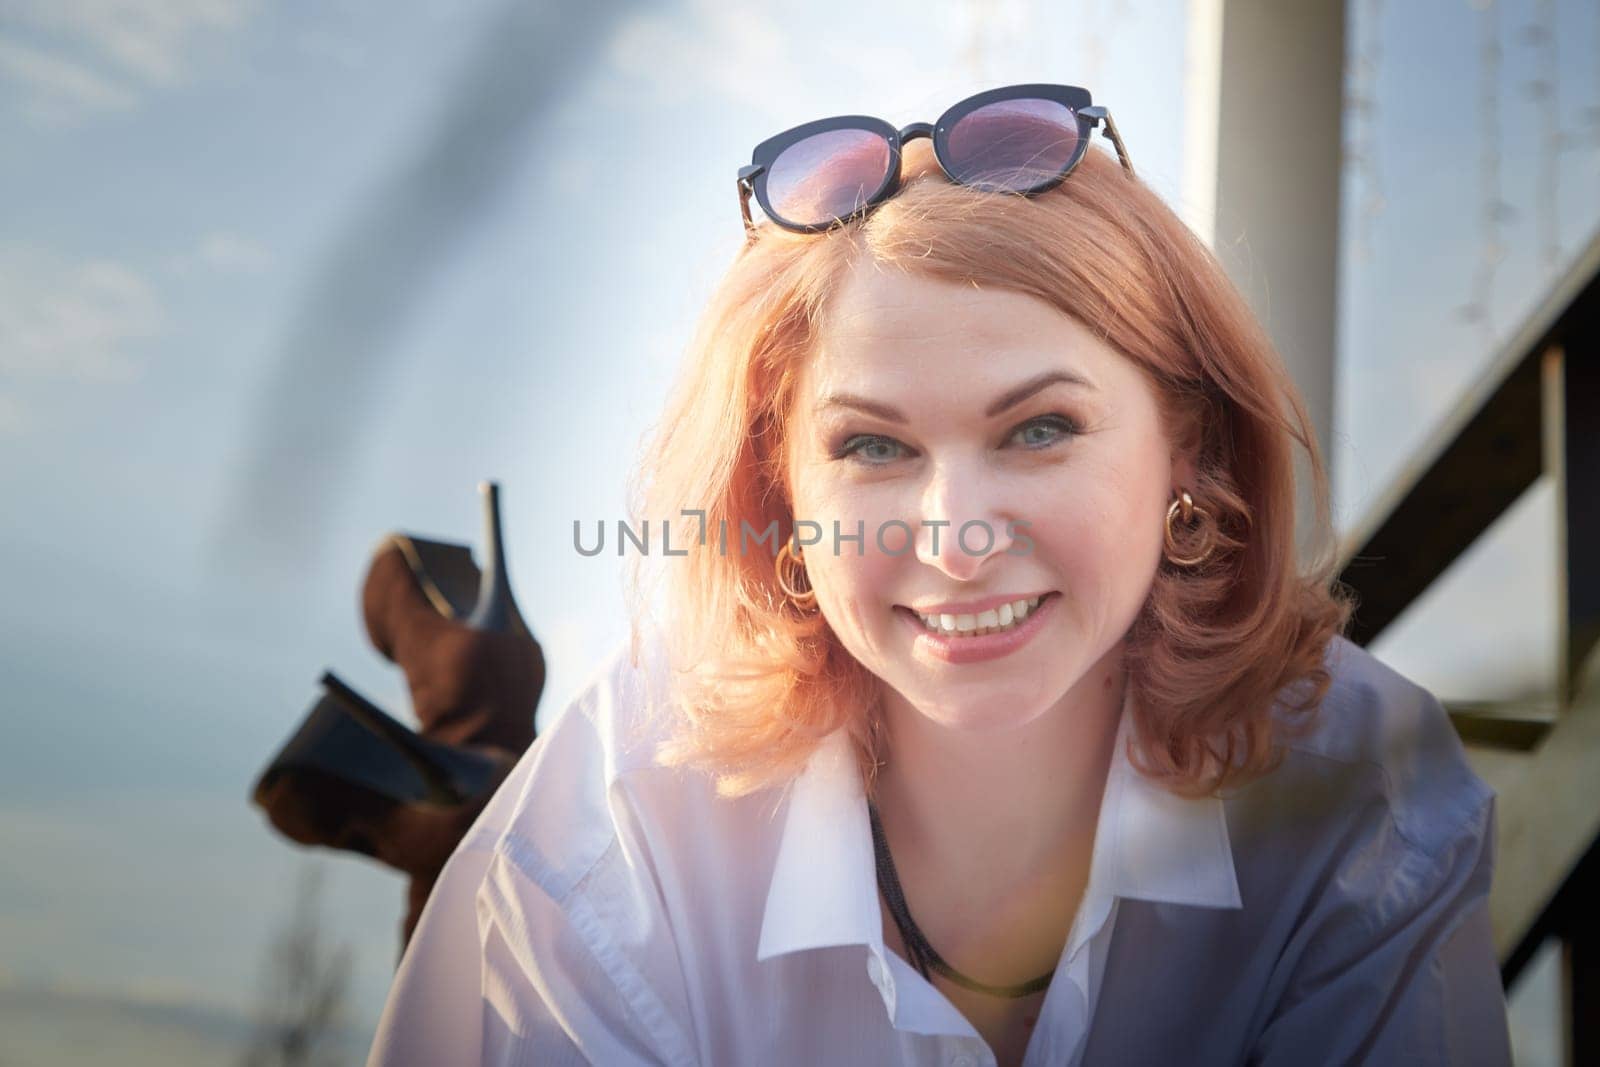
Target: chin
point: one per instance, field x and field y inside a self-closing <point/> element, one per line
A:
<point x="980" y="707"/>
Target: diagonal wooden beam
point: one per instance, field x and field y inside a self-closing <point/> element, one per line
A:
<point x="1477" y="463"/>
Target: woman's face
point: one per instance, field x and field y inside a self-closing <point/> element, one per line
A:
<point x="1027" y="460"/>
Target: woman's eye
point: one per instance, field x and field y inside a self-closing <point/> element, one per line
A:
<point x="870" y="447"/>
<point x="1045" y="431"/>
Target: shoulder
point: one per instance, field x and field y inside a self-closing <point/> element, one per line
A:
<point x="567" y="802"/>
<point x="1365" y="863"/>
<point x="1377" y="802"/>
<point x="1396" y="737"/>
<point x="557" y="887"/>
<point x="611" y="886"/>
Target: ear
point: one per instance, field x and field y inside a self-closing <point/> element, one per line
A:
<point x="1184" y="471"/>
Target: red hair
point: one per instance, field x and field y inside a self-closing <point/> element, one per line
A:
<point x="1217" y="646"/>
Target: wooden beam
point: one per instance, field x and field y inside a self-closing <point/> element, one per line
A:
<point x="1480" y="459"/>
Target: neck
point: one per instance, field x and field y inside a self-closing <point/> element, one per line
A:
<point x="990" y="810"/>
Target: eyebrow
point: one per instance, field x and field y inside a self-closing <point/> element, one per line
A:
<point x="1005" y="402"/>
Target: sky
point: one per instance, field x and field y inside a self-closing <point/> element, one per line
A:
<point x="279" y="279"/>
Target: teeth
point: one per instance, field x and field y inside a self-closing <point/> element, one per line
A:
<point x="985" y="622"/>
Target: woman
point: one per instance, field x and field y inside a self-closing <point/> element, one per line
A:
<point x="992" y="720"/>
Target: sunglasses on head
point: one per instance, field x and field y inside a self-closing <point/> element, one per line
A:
<point x="1016" y="139"/>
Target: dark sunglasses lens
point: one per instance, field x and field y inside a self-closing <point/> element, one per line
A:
<point x="827" y="176"/>
<point x="1012" y="145"/>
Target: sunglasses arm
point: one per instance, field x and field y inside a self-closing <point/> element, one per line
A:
<point x="1098" y="114"/>
<point x="747" y="176"/>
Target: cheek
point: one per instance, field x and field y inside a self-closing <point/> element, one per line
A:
<point x="1100" y="536"/>
<point x="850" y="567"/>
<point x="849" y="584"/>
<point x="853" y="598"/>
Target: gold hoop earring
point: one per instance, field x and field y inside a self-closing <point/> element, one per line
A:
<point x="1185" y="505"/>
<point x="785" y="556"/>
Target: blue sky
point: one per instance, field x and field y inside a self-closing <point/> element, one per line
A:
<point x="265" y="295"/>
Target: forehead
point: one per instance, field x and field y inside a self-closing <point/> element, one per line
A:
<point x="886" y="330"/>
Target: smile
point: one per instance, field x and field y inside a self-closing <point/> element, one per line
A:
<point x="979" y="636"/>
<point x="996" y="620"/>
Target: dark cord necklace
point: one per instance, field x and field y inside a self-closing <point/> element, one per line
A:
<point x="922" y="954"/>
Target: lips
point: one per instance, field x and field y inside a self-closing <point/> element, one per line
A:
<point x="965" y="648"/>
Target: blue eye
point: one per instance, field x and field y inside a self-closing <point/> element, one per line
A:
<point x="857" y="446"/>
<point x="1057" y="427"/>
<point x="1037" y="435"/>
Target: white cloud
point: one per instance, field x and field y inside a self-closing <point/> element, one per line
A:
<point x="147" y="39"/>
<point x="224" y="251"/>
<point x="220" y="252"/>
<point x="66" y="319"/>
<point x="742" y="55"/>
<point x="75" y="57"/>
<point x="782" y="66"/>
<point x="58" y="87"/>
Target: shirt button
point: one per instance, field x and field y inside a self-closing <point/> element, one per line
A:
<point x="963" y="1060"/>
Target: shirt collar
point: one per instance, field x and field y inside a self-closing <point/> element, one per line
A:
<point x="1150" y="844"/>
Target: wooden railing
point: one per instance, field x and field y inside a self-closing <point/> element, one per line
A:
<point x="1535" y="412"/>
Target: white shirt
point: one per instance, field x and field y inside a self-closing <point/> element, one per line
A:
<point x="606" y="910"/>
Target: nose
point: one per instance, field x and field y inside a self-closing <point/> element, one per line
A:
<point x="964" y="525"/>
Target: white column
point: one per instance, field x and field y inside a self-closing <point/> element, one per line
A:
<point x="1263" y="108"/>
